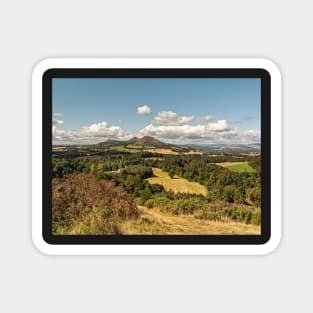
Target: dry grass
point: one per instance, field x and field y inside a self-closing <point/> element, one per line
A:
<point x="162" y="151"/>
<point x="251" y="154"/>
<point x="177" y="185"/>
<point x="160" y="173"/>
<point x="171" y="152"/>
<point x="58" y="148"/>
<point x="152" y="221"/>
<point x="193" y="152"/>
<point x="226" y="164"/>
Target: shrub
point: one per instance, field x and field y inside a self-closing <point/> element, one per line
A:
<point x="142" y="171"/>
<point x="85" y="205"/>
<point x="242" y="214"/>
<point x="149" y="203"/>
<point x="208" y="215"/>
<point x="254" y="196"/>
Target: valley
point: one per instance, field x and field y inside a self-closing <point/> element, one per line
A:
<point x="146" y="186"/>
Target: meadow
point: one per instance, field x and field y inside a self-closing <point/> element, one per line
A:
<point x="175" y="183"/>
<point x="157" y="222"/>
<point x="239" y="167"/>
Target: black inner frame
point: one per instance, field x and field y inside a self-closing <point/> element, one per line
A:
<point x="157" y="73"/>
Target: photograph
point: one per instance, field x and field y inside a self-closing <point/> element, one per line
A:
<point x="156" y="156"/>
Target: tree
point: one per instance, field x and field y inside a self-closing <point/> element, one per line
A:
<point x="254" y="196"/>
<point x="145" y="195"/>
<point x="229" y="193"/>
<point x="171" y="173"/>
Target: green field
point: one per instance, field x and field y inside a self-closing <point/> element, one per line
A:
<point x="139" y="147"/>
<point x="135" y="146"/>
<point x="124" y="149"/>
<point x="177" y="185"/>
<point x="239" y="167"/>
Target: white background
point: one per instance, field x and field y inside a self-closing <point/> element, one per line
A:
<point x="34" y="30"/>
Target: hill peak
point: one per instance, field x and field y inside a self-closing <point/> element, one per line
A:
<point x="148" y="140"/>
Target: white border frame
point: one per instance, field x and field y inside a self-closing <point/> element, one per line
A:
<point x="105" y="249"/>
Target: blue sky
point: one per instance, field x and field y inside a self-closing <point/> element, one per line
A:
<point x="93" y="110"/>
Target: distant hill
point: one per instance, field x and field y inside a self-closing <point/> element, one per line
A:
<point x="112" y="143"/>
<point x="148" y="140"/>
<point x="242" y="148"/>
<point x="152" y="144"/>
<point x="144" y="141"/>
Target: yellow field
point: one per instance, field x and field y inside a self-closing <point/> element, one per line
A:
<point x="177" y="185"/>
<point x="152" y="221"/>
<point x="226" y="164"/>
<point x="162" y="151"/>
<point x="192" y="152"/>
<point x="58" y="148"/>
<point x="171" y="152"/>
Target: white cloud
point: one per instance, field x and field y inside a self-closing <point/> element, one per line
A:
<point x="251" y="135"/>
<point x="102" y="130"/>
<point x="144" y="110"/>
<point x="205" y="119"/>
<point x="219" y="126"/>
<point x="57" y="122"/>
<point x="166" y="126"/>
<point x="173" y="131"/>
<point x="58" y="114"/>
<point x="171" y="118"/>
<point x="212" y="132"/>
<point x="93" y="133"/>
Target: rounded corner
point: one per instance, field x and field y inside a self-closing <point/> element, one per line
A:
<point x="271" y="67"/>
<point x="42" y="67"/>
<point x="41" y="245"/>
<point x="271" y="244"/>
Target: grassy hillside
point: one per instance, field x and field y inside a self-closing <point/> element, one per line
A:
<point x="239" y="167"/>
<point x="177" y="185"/>
<point x="125" y="149"/>
<point x="154" y="221"/>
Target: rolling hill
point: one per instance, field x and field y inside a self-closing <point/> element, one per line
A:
<point x="154" y="145"/>
<point x="218" y="148"/>
<point x="151" y="142"/>
<point x="144" y="141"/>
